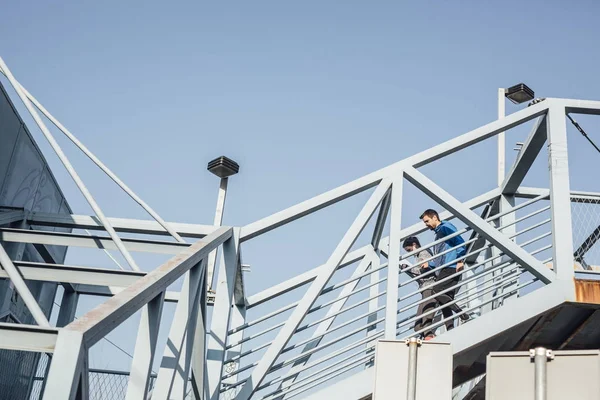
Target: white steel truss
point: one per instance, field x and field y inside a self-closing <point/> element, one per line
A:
<point x="214" y="356"/>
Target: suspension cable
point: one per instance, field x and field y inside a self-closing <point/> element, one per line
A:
<point x="585" y="135"/>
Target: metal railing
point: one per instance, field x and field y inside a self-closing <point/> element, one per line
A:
<point x="330" y="344"/>
<point x="321" y="325"/>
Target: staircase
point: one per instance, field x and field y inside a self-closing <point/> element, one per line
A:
<point x="313" y="335"/>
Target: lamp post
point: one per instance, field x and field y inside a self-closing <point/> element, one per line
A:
<point x="222" y="167"/>
<point x="517" y="94"/>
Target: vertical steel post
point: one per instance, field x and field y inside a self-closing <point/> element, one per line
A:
<point x="560" y="196"/>
<point x="501" y="139"/>
<point x="172" y="378"/>
<point x="540" y="359"/>
<point x="145" y="349"/>
<point x="212" y="257"/>
<point x="506" y="203"/>
<point x="64" y="376"/>
<point x="411" y="386"/>
<point x="391" y="302"/>
<point x="217" y="338"/>
<point x="68" y="307"/>
<point x="238" y="318"/>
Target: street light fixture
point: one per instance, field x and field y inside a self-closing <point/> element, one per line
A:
<point x="519" y="93"/>
<point x="223" y="167"/>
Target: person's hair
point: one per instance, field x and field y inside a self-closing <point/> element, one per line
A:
<point x="430" y="213"/>
<point x="409" y="241"/>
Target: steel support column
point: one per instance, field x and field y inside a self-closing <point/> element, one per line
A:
<point x="560" y="201"/>
<point x="391" y="299"/>
<point x="145" y="349"/>
<point x="217" y="339"/>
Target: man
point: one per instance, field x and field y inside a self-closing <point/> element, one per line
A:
<point x="425" y="285"/>
<point x="442" y="229"/>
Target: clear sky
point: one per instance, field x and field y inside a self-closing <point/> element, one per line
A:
<point x="305" y="96"/>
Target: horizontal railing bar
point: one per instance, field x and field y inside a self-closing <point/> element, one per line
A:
<point x="477" y="294"/>
<point x="532" y="227"/>
<point x="262" y="346"/>
<point x="479" y="273"/>
<point x="518" y="207"/>
<point x="447" y="265"/>
<point x="516" y="221"/>
<point x="255" y="335"/>
<point x="300" y="328"/>
<point x="378" y="282"/>
<point x="335" y="328"/>
<point x="303" y="279"/>
<point x="356" y="291"/>
<point x="477" y="251"/>
<point x="433" y="257"/>
<point x="323" y="346"/>
<point x="503" y="265"/>
<point x="263" y="318"/>
<point x="494" y="298"/>
<point x="316" y="362"/>
<point x="327" y="317"/>
<point x="352" y="279"/>
<point x="329" y="378"/>
<point x="314" y="377"/>
<point x="307" y="367"/>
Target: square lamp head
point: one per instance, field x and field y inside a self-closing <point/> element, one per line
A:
<point x="519" y="93"/>
<point x="223" y="167"/>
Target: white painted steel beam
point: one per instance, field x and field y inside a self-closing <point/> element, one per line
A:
<point x="217" y="339"/>
<point x="145" y="349"/>
<point x="27" y="338"/>
<point x="307" y="301"/>
<point x="302" y="279"/>
<point x="238" y="319"/>
<point x="368" y="181"/>
<point x="529" y="152"/>
<point x="393" y="271"/>
<point x="68" y="166"/>
<point x="22" y="91"/>
<point x="579" y="106"/>
<point x="75" y="274"/>
<point x="109" y="291"/>
<point x="419" y="227"/>
<point x="127" y="225"/>
<point x="85" y="280"/>
<point x="67" y="364"/>
<point x="495" y="237"/>
<point x="172" y="367"/>
<point x="100" y="321"/>
<point x="8" y="217"/>
<point x="97" y="242"/>
<point x="560" y="201"/>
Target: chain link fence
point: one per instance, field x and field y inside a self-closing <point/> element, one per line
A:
<point x="104" y="384"/>
<point x="585" y="215"/>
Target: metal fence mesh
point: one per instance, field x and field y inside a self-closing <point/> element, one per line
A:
<point x="17" y="370"/>
<point x="585" y="215"/>
<point x="104" y="384"/>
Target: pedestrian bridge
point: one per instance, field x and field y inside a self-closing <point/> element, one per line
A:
<point x="530" y="279"/>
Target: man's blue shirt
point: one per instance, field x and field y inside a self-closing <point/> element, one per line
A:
<point x="445" y="229"/>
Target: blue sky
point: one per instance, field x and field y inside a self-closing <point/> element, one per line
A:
<point x="304" y="95"/>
